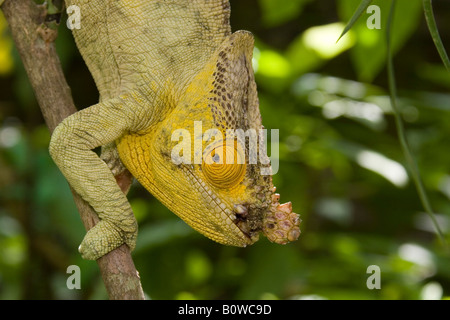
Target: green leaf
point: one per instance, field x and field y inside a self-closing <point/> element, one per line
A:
<point x="275" y="13"/>
<point x="428" y="9"/>
<point x="369" y="52"/>
<point x="359" y="11"/>
<point x="315" y="46"/>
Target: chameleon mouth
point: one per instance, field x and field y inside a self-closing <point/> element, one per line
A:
<point x="245" y="223"/>
<point x="280" y="224"/>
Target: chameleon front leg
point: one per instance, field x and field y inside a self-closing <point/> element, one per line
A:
<point x="71" y="147"/>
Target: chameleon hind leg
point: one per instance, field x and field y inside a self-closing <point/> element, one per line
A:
<point x="71" y="148"/>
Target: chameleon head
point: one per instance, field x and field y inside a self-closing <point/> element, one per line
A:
<point x="200" y="161"/>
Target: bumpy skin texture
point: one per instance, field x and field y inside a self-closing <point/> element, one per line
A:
<point x="160" y="66"/>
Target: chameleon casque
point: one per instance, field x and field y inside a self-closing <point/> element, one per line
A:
<point x="161" y="65"/>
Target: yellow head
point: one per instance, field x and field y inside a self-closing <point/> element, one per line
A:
<point x="203" y="161"/>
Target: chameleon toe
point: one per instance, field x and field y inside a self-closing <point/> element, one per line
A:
<point x="101" y="239"/>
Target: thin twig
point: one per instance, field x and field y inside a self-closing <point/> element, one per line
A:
<point x="413" y="169"/>
<point x="35" y="43"/>
<point x="432" y="26"/>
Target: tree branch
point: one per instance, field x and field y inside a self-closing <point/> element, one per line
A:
<point x="35" y="43"/>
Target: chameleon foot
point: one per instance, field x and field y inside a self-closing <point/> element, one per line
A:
<point x="103" y="238"/>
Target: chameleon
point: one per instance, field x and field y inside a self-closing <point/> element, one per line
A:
<point x="160" y="66"/>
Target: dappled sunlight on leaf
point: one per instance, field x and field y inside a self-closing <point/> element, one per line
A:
<point x="198" y="267"/>
<point x="322" y="40"/>
<point x="335" y="209"/>
<point x="273" y="64"/>
<point x="387" y="168"/>
<point x="13" y="250"/>
<point x="432" y="291"/>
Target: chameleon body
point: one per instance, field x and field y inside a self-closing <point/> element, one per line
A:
<point x="163" y="65"/>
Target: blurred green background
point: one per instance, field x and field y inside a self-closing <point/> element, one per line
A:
<point x="340" y="164"/>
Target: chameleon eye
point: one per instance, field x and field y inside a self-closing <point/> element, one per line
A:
<point x="224" y="164"/>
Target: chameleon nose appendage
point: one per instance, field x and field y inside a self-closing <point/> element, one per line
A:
<point x="281" y="225"/>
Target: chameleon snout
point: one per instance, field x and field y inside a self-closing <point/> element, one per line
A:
<point x="281" y="225"/>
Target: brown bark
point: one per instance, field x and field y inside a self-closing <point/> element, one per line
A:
<point x="35" y="43"/>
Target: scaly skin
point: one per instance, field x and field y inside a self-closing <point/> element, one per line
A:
<point x="160" y="66"/>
